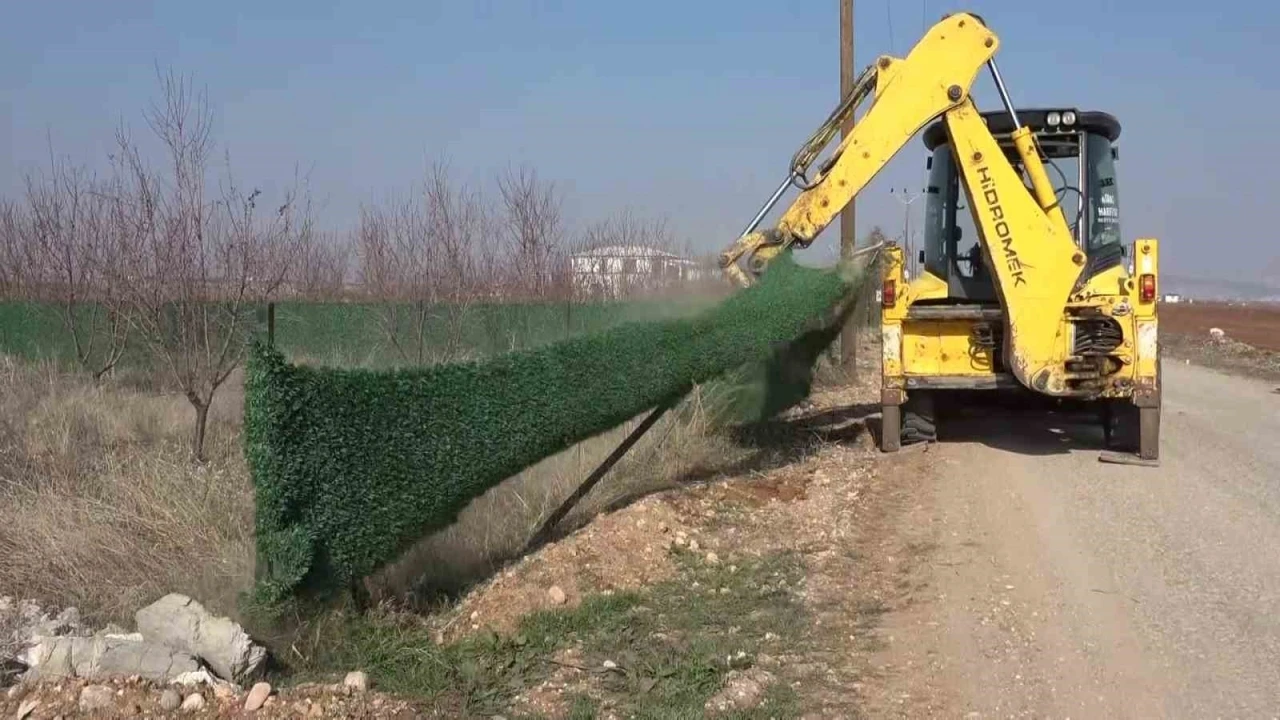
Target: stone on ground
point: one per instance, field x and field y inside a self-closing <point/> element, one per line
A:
<point x="104" y="656"/>
<point x="356" y="681"/>
<point x="170" y="700"/>
<point x="743" y="690"/>
<point x="193" y="703"/>
<point x="95" y="698"/>
<point x="26" y="708"/>
<point x="182" y="623"/>
<point x="257" y="697"/>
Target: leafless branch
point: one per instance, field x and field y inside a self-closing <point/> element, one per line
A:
<point x="533" y="227"/>
<point x="199" y="257"/>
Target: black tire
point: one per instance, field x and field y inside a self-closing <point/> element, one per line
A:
<point x="1120" y="425"/>
<point x="919" y="418"/>
<point x="890" y="428"/>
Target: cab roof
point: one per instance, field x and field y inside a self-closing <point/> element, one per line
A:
<point x="999" y="122"/>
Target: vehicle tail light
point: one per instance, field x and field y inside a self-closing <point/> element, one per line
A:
<point x="1147" y="288"/>
<point x="889" y="293"/>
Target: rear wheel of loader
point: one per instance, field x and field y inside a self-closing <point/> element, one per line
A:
<point x="919" y="418"/>
<point x="890" y="428"/>
<point x="1120" y="425"/>
<point x="1131" y="429"/>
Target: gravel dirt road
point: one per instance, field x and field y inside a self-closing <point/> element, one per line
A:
<point x="1058" y="586"/>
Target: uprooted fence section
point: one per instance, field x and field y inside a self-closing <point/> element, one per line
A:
<point x="352" y="466"/>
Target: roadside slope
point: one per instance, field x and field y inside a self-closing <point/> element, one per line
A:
<point x="1062" y="586"/>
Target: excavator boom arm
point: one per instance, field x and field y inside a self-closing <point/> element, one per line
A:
<point x="1024" y="235"/>
<point x="908" y="93"/>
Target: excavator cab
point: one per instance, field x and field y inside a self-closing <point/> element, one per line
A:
<point x="1080" y="153"/>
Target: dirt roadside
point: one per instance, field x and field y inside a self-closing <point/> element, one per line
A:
<point x="1003" y="572"/>
<point x="842" y="508"/>
<point x="1058" y="586"/>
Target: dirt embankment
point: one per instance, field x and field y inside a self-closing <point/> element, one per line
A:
<point x="1241" y="338"/>
<point x="1256" y="324"/>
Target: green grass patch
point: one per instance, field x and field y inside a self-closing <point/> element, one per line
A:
<point x="672" y="644"/>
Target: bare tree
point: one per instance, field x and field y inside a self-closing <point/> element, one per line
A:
<point x="198" y="262"/>
<point x="397" y="266"/>
<point x="461" y="228"/>
<point x="533" y="226"/>
<point x="320" y="270"/>
<point x="427" y="257"/>
<point x="16" y="255"/>
<point x="72" y="234"/>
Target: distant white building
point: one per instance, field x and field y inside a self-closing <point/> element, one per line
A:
<point x="614" y="270"/>
<point x="1171" y="298"/>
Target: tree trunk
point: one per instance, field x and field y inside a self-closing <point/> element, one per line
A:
<point x="202" y="421"/>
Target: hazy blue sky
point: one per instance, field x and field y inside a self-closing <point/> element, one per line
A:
<point x="688" y="109"/>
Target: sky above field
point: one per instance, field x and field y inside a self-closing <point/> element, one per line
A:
<point x="688" y="110"/>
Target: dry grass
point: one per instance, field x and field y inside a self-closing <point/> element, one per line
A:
<point x="100" y="505"/>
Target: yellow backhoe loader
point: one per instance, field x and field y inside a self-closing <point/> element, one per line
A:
<point x="1023" y="284"/>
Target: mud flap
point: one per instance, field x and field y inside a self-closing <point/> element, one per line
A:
<point x="1124" y="458"/>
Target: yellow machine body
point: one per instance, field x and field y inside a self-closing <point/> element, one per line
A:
<point x="1043" y="300"/>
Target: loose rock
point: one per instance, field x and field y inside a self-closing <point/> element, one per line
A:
<point x="257" y="696"/>
<point x="743" y="690"/>
<point x="22" y="624"/>
<point x="94" y="698"/>
<point x="557" y="595"/>
<point x="104" y="656"/>
<point x="193" y="703"/>
<point x="182" y="623"/>
<point x="170" y="700"/>
<point x="26" y="708"/>
<point x="356" y="681"/>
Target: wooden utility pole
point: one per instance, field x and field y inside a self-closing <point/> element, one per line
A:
<point x="848" y="233"/>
